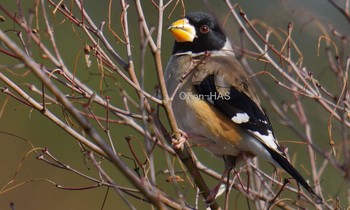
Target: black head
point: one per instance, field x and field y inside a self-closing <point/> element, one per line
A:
<point x="208" y="33"/>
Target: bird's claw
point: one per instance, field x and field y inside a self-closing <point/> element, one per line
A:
<point x="178" y="143"/>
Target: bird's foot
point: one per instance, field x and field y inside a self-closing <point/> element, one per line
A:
<point x="178" y="143"/>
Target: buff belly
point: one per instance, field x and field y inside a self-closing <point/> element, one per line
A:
<point x="205" y="127"/>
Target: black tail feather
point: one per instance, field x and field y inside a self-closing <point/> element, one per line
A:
<point x="285" y="164"/>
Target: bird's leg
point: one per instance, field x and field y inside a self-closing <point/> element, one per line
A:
<point x="178" y="143"/>
<point x="230" y="163"/>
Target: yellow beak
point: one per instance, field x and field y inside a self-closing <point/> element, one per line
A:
<point x="182" y="30"/>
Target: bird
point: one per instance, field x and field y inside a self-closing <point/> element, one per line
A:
<point x="214" y="101"/>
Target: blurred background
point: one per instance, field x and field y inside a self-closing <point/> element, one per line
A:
<point x="20" y="124"/>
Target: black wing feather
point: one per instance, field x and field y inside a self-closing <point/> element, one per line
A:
<point x="237" y="102"/>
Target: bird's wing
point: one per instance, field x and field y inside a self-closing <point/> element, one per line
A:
<point x="224" y="84"/>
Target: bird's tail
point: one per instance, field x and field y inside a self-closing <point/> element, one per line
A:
<point x="285" y="164"/>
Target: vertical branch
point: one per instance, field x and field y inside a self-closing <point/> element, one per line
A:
<point x="50" y="33"/>
<point x="167" y="106"/>
<point x="125" y="24"/>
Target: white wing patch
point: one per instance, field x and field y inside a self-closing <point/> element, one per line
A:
<point x="240" y="118"/>
<point x="269" y="139"/>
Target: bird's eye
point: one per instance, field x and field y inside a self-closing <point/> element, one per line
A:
<point x="204" y="29"/>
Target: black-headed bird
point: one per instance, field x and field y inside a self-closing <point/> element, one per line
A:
<point x="215" y="103"/>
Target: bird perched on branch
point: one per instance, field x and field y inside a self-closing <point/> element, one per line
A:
<point x="214" y="100"/>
